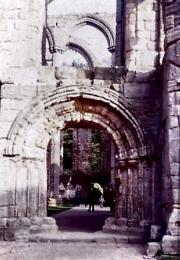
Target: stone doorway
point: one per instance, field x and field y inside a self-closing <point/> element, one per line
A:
<point x="46" y="116"/>
<point x="79" y="156"/>
<point x="76" y="158"/>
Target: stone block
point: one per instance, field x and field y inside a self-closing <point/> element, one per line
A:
<point x="156" y="232"/>
<point x="140" y="90"/>
<point x="12" y="222"/>
<point x="153" y="249"/>
<point x="4" y="211"/>
<point x="173" y="122"/>
<point x="48" y="221"/>
<point x="35" y="229"/>
<point x="176" y="195"/>
<point x="174" y="222"/>
<point x="175" y="182"/>
<point x="49" y="228"/>
<point x="174" y="151"/>
<point x="12" y="211"/>
<point x="174" y="167"/>
<point x="9" y="234"/>
<point x="3" y="222"/>
<point x="174" y="133"/>
<point x="133" y="223"/>
<point x="2" y="233"/>
<point x="104" y="73"/>
<point x="24" y="222"/>
<point x="171" y="245"/>
<point x="21" y="234"/>
<point x="121" y="221"/>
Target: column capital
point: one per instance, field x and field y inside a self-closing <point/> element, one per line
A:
<point x="57" y="49"/>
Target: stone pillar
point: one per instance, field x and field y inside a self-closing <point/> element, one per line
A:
<point x="113" y="163"/>
<point x="55" y="163"/>
<point x="122" y="192"/>
<point x="171" y="124"/>
<point x="133" y="199"/>
<point x="120" y="20"/>
<point x="134" y="192"/>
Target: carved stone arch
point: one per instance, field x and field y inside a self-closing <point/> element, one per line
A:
<point x="51" y="112"/>
<point x="83" y="52"/>
<point x="101" y="26"/>
<point x="87" y="54"/>
<point x="135" y="137"/>
<point x="50" y="39"/>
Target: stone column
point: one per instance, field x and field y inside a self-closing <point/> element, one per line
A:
<point x="122" y="191"/>
<point x="134" y="192"/>
<point x="55" y="163"/>
<point x="171" y="124"/>
<point x="113" y="163"/>
<point x="120" y="21"/>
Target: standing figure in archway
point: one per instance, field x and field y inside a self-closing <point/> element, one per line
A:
<point x="111" y="199"/>
<point x="91" y="198"/>
<point x="78" y="197"/>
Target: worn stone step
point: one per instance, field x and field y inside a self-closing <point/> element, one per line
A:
<point x="98" y="237"/>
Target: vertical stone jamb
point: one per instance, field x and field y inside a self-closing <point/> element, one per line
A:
<point x="55" y="163"/>
<point x="171" y="120"/>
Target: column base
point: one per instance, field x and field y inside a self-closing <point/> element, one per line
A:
<point x="133" y="234"/>
<point x="171" y="245"/>
<point x="20" y="229"/>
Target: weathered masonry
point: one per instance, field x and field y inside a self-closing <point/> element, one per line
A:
<point x="115" y="67"/>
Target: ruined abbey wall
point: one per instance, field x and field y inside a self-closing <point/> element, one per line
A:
<point x="37" y="101"/>
<point x="171" y="127"/>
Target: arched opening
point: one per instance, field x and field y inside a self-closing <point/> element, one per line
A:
<point x="95" y="41"/>
<point x="77" y="157"/>
<point x="101" y="26"/>
<point x="88" y="152"/>
<point x="32" y="130"/>
<point x="72" y="57"/>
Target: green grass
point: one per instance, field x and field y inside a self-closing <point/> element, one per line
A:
<point x="58" y="209"/>
<point x="166" y="257"/>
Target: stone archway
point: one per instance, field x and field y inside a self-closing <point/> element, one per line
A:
<point x="100" y="25"/>
<point x="49" y="113"/>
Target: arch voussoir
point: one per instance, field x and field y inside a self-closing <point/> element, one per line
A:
<point x="55" y="108"/>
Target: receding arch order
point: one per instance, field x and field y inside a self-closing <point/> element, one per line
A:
<point x="101" y="26"/>
<point x="88" y="57"/>
<point x="50" y="112"/>
<point x="50" y="39"/>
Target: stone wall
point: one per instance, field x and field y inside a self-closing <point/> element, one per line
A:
<point x="171" y="128"/>
<point x="142" y="35"/>
<point x="77" y="27"/>
<point x="37" y="101"/>
<point x="20" y="167"/>
<point x="21" y="34"/>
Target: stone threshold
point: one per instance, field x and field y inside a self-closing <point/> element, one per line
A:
<point x="84" y="237"/>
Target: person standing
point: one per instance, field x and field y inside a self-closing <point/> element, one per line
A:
<point x="101" y="201"/>
<point x="111" y="199"/>
<point x="78" y="197"/>
<point x="91" y="198"/>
